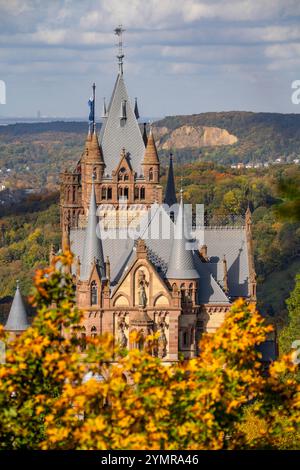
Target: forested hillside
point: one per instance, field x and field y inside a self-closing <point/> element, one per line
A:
<point x="261" y="137"/>
<point x="32" y="155"/>
<point x="30" y="227"/>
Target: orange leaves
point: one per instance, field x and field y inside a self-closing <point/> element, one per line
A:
<point x="53" y="397"/>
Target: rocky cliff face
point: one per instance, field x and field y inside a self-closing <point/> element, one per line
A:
<point x="192" y="137"/>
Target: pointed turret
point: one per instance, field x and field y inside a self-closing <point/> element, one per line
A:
<point x="92" y="251"/>
<point x="151" y="155"/>
<point x="151" y="161"/>
<point x="181" y="262"/>
<point x="17" y="319"/>
<point x="170" y="195"/>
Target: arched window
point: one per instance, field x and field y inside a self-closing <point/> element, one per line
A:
<point x="190" y="294"/>
<point x="83" y="339"/>
<point x="93" y="332"/>
<point x="142" y="195"/>
<point x="109" y="193"/>
<point x="151" y="174"/>
<point x="126" y="192"/>
<point x="120" y="192"/>
<point x="74" y="194"/>
<point x="123" y="175"/>
<point x="136" y="192"/>
<point x="94" y="293"/>
<point x="183" y="294"/>
<point x="103" y="193"/>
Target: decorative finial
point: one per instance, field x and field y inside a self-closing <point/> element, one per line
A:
<point x="119" y="32"/>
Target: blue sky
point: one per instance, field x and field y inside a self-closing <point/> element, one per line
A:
<point x="181" y="56"/>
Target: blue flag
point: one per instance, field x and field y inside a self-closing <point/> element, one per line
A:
<point x="92" y="110"/>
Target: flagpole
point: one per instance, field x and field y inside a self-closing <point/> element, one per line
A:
<point x="94" y="94"/>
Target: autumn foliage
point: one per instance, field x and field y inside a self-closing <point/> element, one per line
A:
<point x="54" y="396"/>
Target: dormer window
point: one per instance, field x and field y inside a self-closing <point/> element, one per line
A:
<point x="94" y="293"/>
<point x="123" y="175"/>
<point x="123" y="110"/>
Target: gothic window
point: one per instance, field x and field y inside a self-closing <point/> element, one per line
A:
<point x="68" y="194"/>
<point x="136" y="192"/>
<point x="126" y="192"/>
<point x="151" y="174"/>
<point x="142" y="195"/>
<point x="103" y="193"/>
<point x="109" y="193"/>
<point x="94" y="293"/>
<point x="172" y="216"/>
<point x="190" y="294"/>
<point x="183" y="294"/>
<point x="120" y="192"/>
<point x="93" y="332"/>
<point x="83" y="339"/>
<point x="123" y="176"/>
<point x="185" y="339"/>
<point x="74" y="194"/>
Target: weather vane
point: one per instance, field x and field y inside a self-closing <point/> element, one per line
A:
<point x="119" y="32"/>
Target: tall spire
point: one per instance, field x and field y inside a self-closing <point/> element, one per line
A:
<point x="93" y="251"/>
<point x="17" y="318"/>
<point x="145" y="137"/>
<point x="170" y="195"/>
<point x="181" y="262"/>
<point x="136" y="109"/>
<point x="119" y="32"/>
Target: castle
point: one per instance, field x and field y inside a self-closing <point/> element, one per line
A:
<point x="144" y="267"/>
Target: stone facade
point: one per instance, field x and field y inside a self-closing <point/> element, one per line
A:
<point x="128" y="287"/>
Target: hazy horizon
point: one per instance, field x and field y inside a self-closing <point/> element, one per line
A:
<point x="181" y="58"/>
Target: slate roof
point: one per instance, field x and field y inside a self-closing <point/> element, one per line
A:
<point x="229" y="241"/>
<point x="17" y="318"/>
<point x="92" y="246"/>
<point x="117" y="133"/>
<point x="219" y="241"/>
<point x="181" y="261"/>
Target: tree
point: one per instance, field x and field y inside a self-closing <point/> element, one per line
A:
<point x="129" y="399"/>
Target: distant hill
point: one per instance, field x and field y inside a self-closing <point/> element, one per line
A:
<point x="248" y="136"/>
<point x="42" y="150"/>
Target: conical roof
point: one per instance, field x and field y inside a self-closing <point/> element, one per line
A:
<point x="17" y="318"/>
<point x="181" y="262"/>
<point x="93" y="151"/>
<point x="170" y="195"/>
<point x="117" y="133"/>
<point x="151" y="156"/>
<point x="93" y="250"/>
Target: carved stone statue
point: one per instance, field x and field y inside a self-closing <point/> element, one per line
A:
<point x="142" y="295"/>
<point x="162" y="340"/>
<point x="121" y="332"/>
